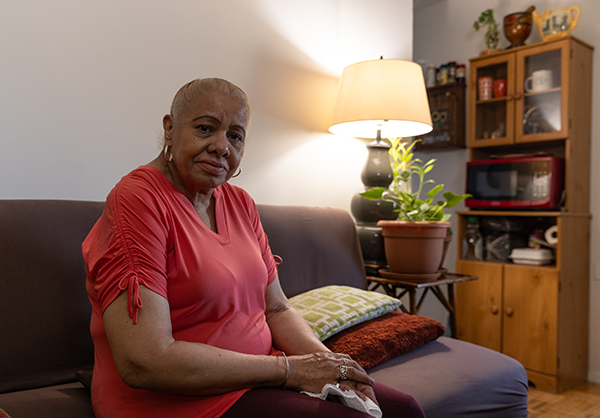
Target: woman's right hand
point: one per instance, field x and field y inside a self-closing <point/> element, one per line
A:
<point x="310" y="372"/>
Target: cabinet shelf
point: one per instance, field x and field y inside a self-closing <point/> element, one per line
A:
<point x="541" y="93"/>
<point x="549" y="267"/>
<point x="530" y="214"/>
<point x="492" y="101"/>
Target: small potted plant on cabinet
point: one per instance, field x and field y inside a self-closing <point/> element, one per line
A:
<point x="414" y="243"/>
<point x="492" y="35"/>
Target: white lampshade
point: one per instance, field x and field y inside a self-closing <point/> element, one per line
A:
<point x="382" y="94"/>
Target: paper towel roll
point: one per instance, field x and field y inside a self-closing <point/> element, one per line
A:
<point x="551" y="235"/>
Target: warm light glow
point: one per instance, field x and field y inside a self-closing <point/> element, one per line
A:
<point x="386" y="93"/>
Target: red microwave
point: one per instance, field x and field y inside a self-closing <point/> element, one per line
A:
<point x="516" y="183"/>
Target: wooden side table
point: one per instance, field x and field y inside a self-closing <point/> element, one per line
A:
<point x="398" y="288"/>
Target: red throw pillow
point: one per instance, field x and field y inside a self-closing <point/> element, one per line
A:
<point x="378" y="340"/>
<point x="3" y="414"/>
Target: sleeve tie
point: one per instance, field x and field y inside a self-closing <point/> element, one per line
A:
<point x="134" y="302"/>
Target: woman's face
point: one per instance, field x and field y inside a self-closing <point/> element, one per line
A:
<point x="207" y="141"/>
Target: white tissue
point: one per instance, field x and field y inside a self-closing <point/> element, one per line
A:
<point x="348" y="398"/>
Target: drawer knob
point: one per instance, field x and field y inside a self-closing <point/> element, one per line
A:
<point x="495" y="309"/>
<point x="509" y="311"/>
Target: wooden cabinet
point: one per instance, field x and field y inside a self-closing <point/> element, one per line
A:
<point x="535" y="314"/>
<point x="447" y="106"/>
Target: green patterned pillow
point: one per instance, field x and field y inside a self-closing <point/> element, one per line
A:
<point x="331" y="309"/>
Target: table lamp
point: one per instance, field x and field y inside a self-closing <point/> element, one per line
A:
<point x="379" y="99"/>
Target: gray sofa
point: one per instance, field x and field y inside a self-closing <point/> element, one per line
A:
<point x="44" y="314"/>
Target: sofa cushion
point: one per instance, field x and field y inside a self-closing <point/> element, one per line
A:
<point x="453" y="378"/>
<point x="378" y="340"/>
<point x="331" y="309"/>
<point x="70" y="400"/>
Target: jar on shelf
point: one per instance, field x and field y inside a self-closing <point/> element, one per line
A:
<point x="443" y="74"/>
<point x="460" y="73"/>
<point x="431" y="75"/>
<point x="452" y="72"/>
<point x="473" y="241"/>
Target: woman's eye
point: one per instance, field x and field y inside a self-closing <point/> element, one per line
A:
<point x="237" y="137"/>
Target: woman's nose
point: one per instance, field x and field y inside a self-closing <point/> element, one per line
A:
<point x="220" y="144"/>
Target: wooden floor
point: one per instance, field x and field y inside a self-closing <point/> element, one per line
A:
<point x="582" y="401"/>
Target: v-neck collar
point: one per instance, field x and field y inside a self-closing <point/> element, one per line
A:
<point x="222" y="234"/>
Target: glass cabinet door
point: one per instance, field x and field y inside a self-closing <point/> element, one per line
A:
<point x="492" y="89"/>
<point x="542" y="81"/>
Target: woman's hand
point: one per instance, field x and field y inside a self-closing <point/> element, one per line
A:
<point x="311" y="372"/>
<point x="363" y="391"/>
<point x="313" y="365"/>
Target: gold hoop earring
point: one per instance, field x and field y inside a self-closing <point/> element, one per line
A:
<point x="170" y="157"/>
<point x="238" y="173"/>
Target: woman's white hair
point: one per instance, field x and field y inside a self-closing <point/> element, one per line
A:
<point x="191" y="90"/>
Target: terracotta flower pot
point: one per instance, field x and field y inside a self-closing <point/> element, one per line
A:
<point x="447" y="241"/>
<point x="414" y="247"/>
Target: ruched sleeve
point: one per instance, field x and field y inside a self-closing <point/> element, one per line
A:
<point x="128" y="246"/>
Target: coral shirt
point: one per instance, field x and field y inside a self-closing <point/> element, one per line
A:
<point x="215" y="283"/>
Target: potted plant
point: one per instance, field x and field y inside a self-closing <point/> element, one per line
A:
<point x="414" y="243"/>
<point x="492" y="35"/>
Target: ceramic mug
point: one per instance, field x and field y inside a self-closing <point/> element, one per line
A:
<point x="540" y="80"/>
<point x="485" y="87"/>
<point x="499" y="87"/>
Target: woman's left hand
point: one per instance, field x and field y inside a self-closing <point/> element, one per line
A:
<point x="361" y="389"/>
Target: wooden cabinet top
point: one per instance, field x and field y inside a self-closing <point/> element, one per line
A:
<point x="500" y="52"/>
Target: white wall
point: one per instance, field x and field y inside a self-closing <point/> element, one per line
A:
<point x="443" y="31"/>
<point x="84" y="86"/>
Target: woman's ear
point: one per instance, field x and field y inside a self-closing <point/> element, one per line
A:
<point x="168" y="127"/>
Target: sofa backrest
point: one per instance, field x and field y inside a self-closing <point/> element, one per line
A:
<point x="319" y="247"/>
<point x="44" y="307"/>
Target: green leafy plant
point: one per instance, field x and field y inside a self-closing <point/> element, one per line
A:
<point x="410" y="206"/>
<point x="487" y="19"/>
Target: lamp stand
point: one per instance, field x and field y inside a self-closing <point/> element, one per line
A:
<point x="377" y="172"/>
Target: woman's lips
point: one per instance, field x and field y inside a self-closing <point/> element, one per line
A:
<point x="214" y="167"/>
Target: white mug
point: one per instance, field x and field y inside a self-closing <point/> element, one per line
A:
<point x="540" y="80"/>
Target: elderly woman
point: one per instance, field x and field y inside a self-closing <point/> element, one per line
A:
<point x="189" y="319"/>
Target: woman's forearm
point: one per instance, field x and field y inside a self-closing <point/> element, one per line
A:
<point x="196" y="369"/>
<point x="291" y="333"/>
<point x="147" y="356"/>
